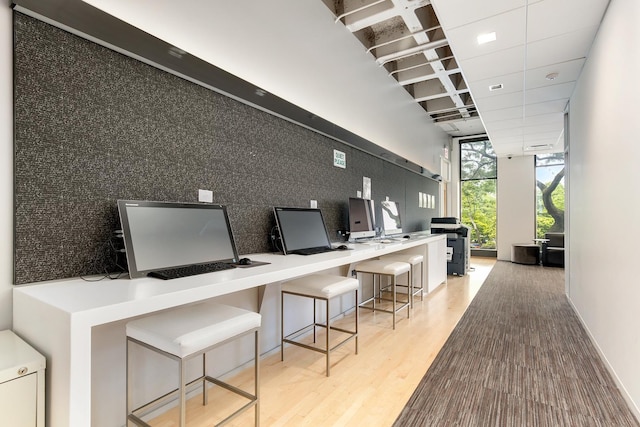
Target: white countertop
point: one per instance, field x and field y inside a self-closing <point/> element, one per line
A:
<point x="107" y="300"/>
<point x="58" y="317"/>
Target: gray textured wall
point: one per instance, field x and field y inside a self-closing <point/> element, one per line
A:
<point x="93" y="126"/>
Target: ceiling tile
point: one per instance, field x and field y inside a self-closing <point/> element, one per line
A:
<point x="506" y="124"/>
<point x="509" y="28"/>
<point x="500" y="102"/>
<point x="494" y="64"/>
<point x="557" y="106"/>
<point x="557" y="119"/>
<point x="551" y="18"/>
<point x="507" y="133"/>
<point x="553" y="128"/>
<point x="549" y="93"/>
<point x="454" y="13"/>
<point x="505" y="114"/>
<point x="563" y="48"/>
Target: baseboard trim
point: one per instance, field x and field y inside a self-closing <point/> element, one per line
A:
<point x="625" y="394"/>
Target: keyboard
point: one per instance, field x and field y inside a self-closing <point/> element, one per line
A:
<point x="190" y="270"/>
<point x="312" y="251"/>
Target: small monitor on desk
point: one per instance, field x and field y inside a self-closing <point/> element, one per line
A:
<point x="362" y="221"/>
<point x="302" y="230"/>
<point x="391" y="217"/>
<point x="161" y="235"/>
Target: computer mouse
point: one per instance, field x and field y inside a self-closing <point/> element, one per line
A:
<point x="245" y="261"/>
<point x="406" y="236"/>
<point x="342" y="247"/>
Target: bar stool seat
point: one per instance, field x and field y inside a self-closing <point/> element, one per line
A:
<point x="185" y="333"/>
<point x="319" y="287"/>
<point x="413" y="260"/>
<point x="391" y="269"/>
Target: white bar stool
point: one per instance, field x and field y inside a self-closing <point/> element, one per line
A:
<point x="185" y="333"/>
<point x="319" y="287"/>
<point x="391" y="269"/>
<point x="413" y="260"/>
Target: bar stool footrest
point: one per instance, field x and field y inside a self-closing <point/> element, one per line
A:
<point x="398" y="307"/>
<point x="289" y="338"/>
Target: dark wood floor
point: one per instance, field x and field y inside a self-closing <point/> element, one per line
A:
<point x="518" y="357"/>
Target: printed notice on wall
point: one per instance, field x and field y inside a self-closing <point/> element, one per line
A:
<point x="339" y="159"/>
<point x="366" y="187"/>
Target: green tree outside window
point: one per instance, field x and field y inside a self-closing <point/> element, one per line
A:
<point x="550" y="193"/>
<point x="478" y="174"/>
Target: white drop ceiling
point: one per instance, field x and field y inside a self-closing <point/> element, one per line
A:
<point x="534" y="39"/>
<point x="388" y="69"/>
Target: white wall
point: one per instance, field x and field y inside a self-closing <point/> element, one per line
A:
<point x="6" y="167"/>
<point x="453" y="187"/>
<point x="604" y="161"/>
<point x="349" y="90"/>
<point x="516" y="203"/>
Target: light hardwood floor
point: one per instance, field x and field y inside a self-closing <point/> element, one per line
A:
<point x="370" y="388"/>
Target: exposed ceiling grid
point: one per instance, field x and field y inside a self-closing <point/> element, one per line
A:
<point x="532" y="66"/>
<point x="405" y="37"/>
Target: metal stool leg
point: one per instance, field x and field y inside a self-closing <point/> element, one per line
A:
<point x="257" y="378"/>
<point x="205" y="389"/>
<point x="129" y="388"/>
<point x="183" y="393"/>
<point x="357" y="320"/>
<point x="410" y="286"/>
<point x="328" y="335"/>
<point x="314" y="320"/>
<point x="282" y="326"/>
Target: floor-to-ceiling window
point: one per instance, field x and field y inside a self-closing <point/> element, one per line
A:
<point x="549" y="193"/>
<point x="478" y="177"/>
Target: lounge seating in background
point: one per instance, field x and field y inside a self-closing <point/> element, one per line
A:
<point x="553" y="250"/>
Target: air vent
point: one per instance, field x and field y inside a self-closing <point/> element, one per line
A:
<point x="538" y="147"/>
<point x="495" y="87"/>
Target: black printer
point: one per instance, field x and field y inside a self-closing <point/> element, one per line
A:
<point x="458" y="245"/>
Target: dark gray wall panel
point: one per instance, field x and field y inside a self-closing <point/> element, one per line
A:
<point x="93" y="126"/>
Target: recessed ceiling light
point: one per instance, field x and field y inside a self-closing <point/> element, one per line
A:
<point x="551" y="76"/>
<point x="486" y="38"/>
<point x="495" y="87"/>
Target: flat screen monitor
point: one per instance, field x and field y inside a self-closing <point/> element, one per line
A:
<point x="300" y="229"/>
<point x="161" y="235"/>
<point x="362" y="221"/>
<point x="391" y="217"/>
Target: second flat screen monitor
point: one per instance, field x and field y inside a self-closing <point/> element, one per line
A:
<point x="391" y="217"/>
<point x="301" y="228"/>
<point x="362" y="223"/>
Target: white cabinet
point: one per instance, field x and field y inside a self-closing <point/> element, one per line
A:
<point x="436" y="264"/>
<point x="21" y="383"/>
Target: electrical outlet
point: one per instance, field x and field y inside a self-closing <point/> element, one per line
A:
<point x="314" y="204"/>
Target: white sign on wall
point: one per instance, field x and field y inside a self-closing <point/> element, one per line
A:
<point x="366" y="187"/>
<point x="339" y="159"/>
